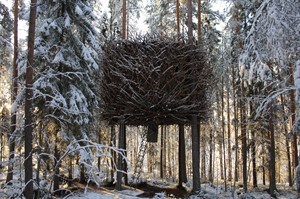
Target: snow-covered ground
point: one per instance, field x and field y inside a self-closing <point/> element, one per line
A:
<point x="208" y="192"/>
<point x="125" y="194"/>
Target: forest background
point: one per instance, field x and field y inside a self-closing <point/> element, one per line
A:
<point x="251" y="136"/>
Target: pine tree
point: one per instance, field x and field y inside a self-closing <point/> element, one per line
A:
<point x="28" y="130"/>
<point x="67" y="56"/>
<point x="13" y="95"/>
<point x="5" y="52"/>
<point x="67" y="61"/>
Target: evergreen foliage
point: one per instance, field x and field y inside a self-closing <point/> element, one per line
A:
<point x="66" y="61"/>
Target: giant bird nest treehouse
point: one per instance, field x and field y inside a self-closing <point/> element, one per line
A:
<point x="154" y="81"/>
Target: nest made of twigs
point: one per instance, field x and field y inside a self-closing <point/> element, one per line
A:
<point x="159" y="81"/>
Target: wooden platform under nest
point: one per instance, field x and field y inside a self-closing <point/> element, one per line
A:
<point x="154" y="81"/>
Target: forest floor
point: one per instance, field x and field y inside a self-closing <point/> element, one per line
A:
<point x="163" y="189"/>
<point x="156" y="189"/>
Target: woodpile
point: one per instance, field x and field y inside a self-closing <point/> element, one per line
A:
<point x="154" y="81"/>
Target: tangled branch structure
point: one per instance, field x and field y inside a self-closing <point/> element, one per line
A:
<point x="154" y="81"/>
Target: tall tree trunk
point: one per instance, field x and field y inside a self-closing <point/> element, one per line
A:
<point x="210" y="169"/>
<point x="203" y="157"/>
<point x="99" y="142"/>
<point x="223" y="132"/>
<point x="244" y="136"/>
<point x="28" y="131"/>
<point x="165" y="150"/>
<point x="124" y="19"/>
<point x="219" y="134"/>
<point x="229" y="137"/>
<point x="220" y="146"/>
<point x="178" y="18"/>
<point x="82" y="179"/>
<point x="293" y="113"/>
<point x="263" y="160"/>
<point x="124" y="162"/>
<point x="253" y="149"/>
<point x="38" y="170"/>
<point x="199" y="24"/>
<point x="56" y="169"/>
<point x="70" y="170"/>
<point x="121" y="154"/>
<point x="13" y="121"/>
<point x="288" y="153"/>
<point x="242" y="100"/>
<point x="190" y="22"/>
<point x="114" y="155"/>
<point x="162" y="155"/>
<point x="287" y="145"/>
<point x="195" y="154"/>
<point x="182" y="156"/>
<point x="272" y="168"/>
<point x="236" y="176"/>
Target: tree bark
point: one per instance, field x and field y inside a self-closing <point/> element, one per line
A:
<point x="223" y="133"/>
<point x="114" y="155"/>
<point x="199" y="24"/>
<point x="70" y="170"/>
<point x="56" y="169"/>
<point x="182" y="157"/>
<point x="195" y="155"/>
<point x="190" y="22"/>
<point x="37" y="192"/>
<point x="244" y="137"/>
<point x="210" y="169"/>
<point x="263" y="160"/>
<point x="28" y="131"/>
<point x="272" y="168"/>
<point x="293" y="113"/>
<point x="120" y="155"/>
<point x="236" y="176"/>
<point x="287" y="145"/>
<point x="229" y="138"/>
<point x="162" y="156"/>
<point x="124" y="19"/>
<point x="178" y="18"/>
<point x="253" y="149"/>
<point x="203" y="157"/>
<point x="13" y="121"/>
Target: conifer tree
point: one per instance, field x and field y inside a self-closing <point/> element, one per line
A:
<point x="66" y="60"/>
